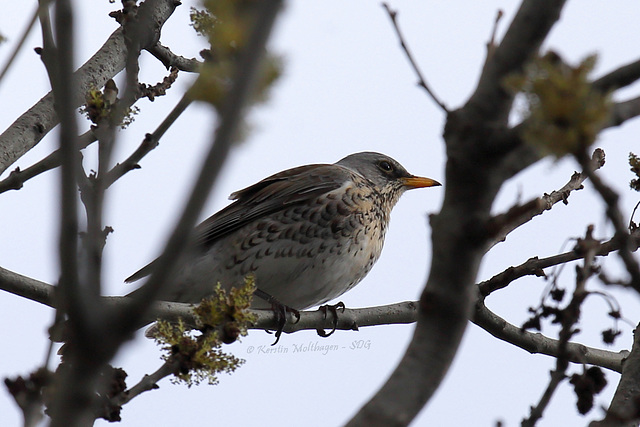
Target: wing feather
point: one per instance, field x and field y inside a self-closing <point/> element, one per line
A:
<point x="279" y="191"/>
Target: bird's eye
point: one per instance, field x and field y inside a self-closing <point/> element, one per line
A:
<point x="385" y="166"/>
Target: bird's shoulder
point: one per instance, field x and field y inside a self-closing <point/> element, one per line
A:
<point x="274" y="193"/>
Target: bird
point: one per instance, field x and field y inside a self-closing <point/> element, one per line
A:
<point x="307" y="235"/>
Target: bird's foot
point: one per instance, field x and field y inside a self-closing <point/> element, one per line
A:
<point x="280" y="312"/>
<point x="334" y="310"/>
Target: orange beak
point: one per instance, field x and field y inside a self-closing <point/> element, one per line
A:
<point x="419" y="182"/>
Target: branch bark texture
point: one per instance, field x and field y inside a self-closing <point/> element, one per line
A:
<point x="29" y="129"/>
<point x="459" y="235"/>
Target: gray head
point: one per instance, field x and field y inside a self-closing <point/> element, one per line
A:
<point x="384" y="172"/>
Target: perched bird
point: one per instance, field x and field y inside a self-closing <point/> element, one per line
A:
<point x="307" y="234"/>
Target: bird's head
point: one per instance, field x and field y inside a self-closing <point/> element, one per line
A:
<point x="388" y="176"/>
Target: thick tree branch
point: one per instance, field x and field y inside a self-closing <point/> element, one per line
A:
<point x="521" y="42"/>
<point x="33" y="125"/>
<point x="231" y="115"/>
<point x="459" y="234"/>
<point x="618" y="78"/>
<point x="26" y="287"/>
<point x="623" y="111"/>
<point x="624" y="410"/>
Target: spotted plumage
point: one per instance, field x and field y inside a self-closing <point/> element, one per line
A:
<point x="307" y="234"/>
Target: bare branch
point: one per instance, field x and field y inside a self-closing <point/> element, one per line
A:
<point x="149" y="143"/>
<point x="398" y="313"/>
<point x="231" y="115"/>
<point x="501" y="225"/>
<point x="27" y="287"/>
<point x="570" y="317"/>
<point x="19" y="45"/>
<point x="623" y="111"/>
<point x="618" y="78"/>
<point x="535" y="265"/>
<point x="170" y="59"/>
<point x="537" y="343"/>
<point x="148" y="382"/>
<point x="621" y="236"/>
<point x="34" y="124"/>
<point x="421" y="80"/>
<point x="350" y="319"/>
<point x="458" y="230"/>
<point x="522" y="40"/>
<point x="18" y="177"/>
<point x="624" y="409"/>
<point x="403" y="312"/>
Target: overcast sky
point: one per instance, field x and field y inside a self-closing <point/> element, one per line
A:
<point x="346" y="88"/>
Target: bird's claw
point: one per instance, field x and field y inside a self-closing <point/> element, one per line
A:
<point x="280" y="312"/>
<point x="334" y="310"/>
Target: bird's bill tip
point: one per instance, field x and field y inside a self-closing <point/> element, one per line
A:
<point x="419" y="182"/>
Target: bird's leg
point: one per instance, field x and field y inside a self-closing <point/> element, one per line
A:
<point x="334" y="310"/>
<point x="280" y="311"/>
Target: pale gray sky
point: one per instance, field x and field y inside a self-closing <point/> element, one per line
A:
<point x="347" y="87"/>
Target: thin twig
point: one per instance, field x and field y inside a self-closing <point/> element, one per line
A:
<point x="610" y="197"/>
<point x="18" y="46"/>
<point x="29" y="129"/>
<point x="491" y="45"/>
<point x="18" y="177"/>
<point x="535" y="265"/>
<point x="170" y="59"/>
<point x="149" y="143"/>
<point x="148" y="382"/>
<point x="421" y="80"/>
<point x="503" y="224"/>
<point x="570" y="317"/>
<point x="231" y="116"/>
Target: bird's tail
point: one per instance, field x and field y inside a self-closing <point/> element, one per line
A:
<point x="143" y="272"/>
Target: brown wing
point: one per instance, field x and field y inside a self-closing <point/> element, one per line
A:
<point x="276" y="192"/>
